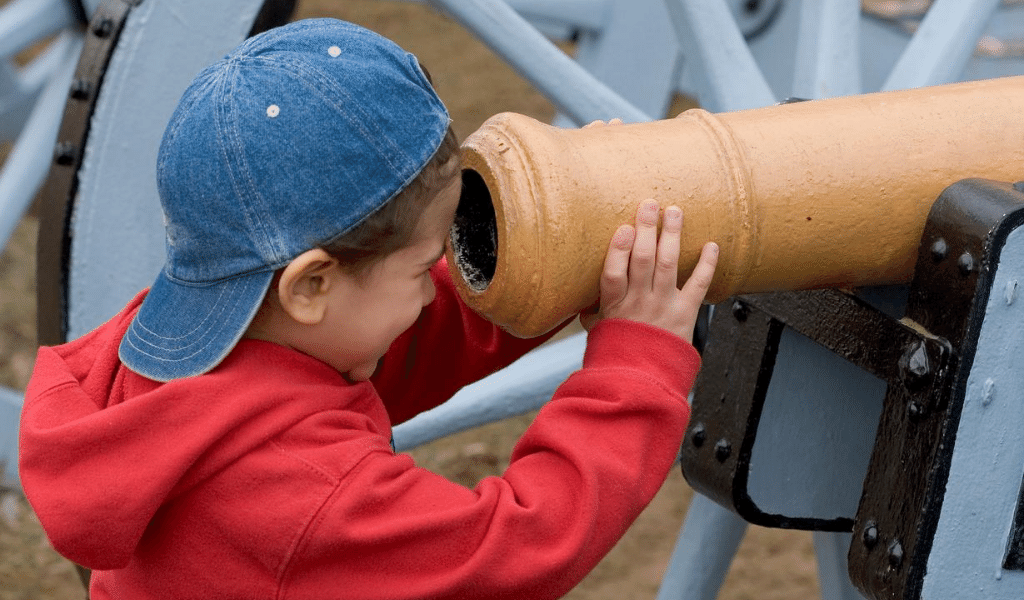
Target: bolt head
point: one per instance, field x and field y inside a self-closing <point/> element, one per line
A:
<point x="65" y="154"/>
<point x="723" y="449"/>
<point x="740" y="311"/>
<point x="895" y="554"/>
<point x="940" y="249"/>
<point x="103" y="28"/>
<point x="698" y="435"/>
<point x="80" y="89"/>
<point x="870" y="535"/>
<point x="965" y="263"/>
<point x="915" y="367"/>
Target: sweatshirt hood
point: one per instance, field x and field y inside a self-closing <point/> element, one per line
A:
<point x="102" y="448"/>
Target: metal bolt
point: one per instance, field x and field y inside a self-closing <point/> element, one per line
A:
<point x="723" y="449"/>
<point x="895" y="554"/>
<point x="939" y="250"/>
<point x="870" y="535"/>
<point x="103" y="28"/>
<point x="740" y="310"/>
<point x="65" y="153"/>
<point x="698" y="435"/>
<point x="916" y="411"/>
<point x="915" y="366"/>
<point x="81" y="89"/>
<point x="966" y="263"/>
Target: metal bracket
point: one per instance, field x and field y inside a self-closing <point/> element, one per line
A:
<point x="923" y="358"/>
<point x="730" y="395"/>
<point x="909" y="471"/>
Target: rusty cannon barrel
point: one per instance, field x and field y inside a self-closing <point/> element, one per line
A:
<point x="826" y="193"/>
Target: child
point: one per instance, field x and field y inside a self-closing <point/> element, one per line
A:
<point x="227" y="435"/>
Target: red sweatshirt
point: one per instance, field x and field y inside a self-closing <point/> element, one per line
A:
<point x="272" y="477"/>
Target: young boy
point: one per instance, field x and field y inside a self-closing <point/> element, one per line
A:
<point x="227" y="435"/>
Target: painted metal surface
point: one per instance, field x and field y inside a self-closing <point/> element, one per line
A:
<point x="911" y="482"/>
<point x="755" y="443"/>
<point x="789" y="192"/>
<point x="982" y="501"/>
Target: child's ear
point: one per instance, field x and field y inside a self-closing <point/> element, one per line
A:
<point x="305" y="285"/>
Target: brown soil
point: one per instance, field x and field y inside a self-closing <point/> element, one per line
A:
<point x="771" y="564"/>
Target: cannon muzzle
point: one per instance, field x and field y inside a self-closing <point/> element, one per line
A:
<point x="828" y="193"/>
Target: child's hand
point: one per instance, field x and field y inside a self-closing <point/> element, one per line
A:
<point x="640" y="272"/>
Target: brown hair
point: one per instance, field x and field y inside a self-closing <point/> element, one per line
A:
<point x="391" y="227"/>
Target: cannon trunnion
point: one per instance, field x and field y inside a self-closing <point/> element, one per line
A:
<point x="910" y="400"/>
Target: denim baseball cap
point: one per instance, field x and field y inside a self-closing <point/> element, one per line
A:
<point x="284" y="145"/>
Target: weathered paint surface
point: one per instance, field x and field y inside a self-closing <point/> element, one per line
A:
<point x="829" y="193"/>
<point x="981" y="497"/>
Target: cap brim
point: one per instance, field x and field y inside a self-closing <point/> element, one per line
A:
<point x="183" y="330"/>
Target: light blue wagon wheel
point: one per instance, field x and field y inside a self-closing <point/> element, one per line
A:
<point x="632" y="57"/>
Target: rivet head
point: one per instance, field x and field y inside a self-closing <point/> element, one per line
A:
<point x="65" y="153"/>
<point x="740" y="311"/>
<point x="939" y="250"/>
<point x="895" y="554"/>
<point x="723" y="449"/>
<point x="698" y="435"/>
<point x="916" y="411"/>
<point x="965" y="263"/>
<point x="870" y="535"/>
<point x="103" y="28"/>
<point x="81" y="89"/>
<point x="334" y="51"/>
<point x="273" y="110"/>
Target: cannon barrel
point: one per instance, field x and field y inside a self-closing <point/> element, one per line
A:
<point x="802" y="195"/>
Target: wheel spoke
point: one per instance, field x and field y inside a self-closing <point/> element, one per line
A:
<point x="942" y="45"/>
<point x="25" y="22"/>
<point x="710" y="38"/>
<point x="827" y="52"/>
<point x="24" y="171"/>
<point x="574" y="91"/>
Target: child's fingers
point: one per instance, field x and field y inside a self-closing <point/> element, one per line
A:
<point x="616" y="265"/>
<point x="641" y="261"/>
<point x="696" y="287"/>
<point x="666" y="270"/>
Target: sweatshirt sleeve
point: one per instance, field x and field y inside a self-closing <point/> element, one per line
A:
<point x="450" y="346"/>
<point x="583" y="471"/>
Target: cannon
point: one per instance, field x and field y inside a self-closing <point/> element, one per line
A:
<point x="791" y="193"/>
<point x="727" y="56"/>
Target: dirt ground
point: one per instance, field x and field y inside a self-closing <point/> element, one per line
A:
<point x="770" y="565"/>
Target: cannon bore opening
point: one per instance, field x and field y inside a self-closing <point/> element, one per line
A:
<point x="475" y="233"/>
